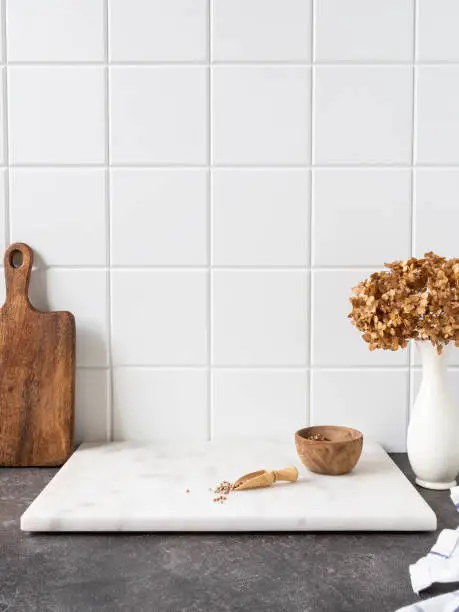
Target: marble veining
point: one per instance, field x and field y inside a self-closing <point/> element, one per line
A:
<point x="137" y="487"/>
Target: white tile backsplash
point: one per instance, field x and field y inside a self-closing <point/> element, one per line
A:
<point x="158" y="30"/>
<point x="269" y="403"/>
<point x="437" y="38"/>
<point x="61" y="214"/>
<point x="3" y="126"/>
<point x="436" y="205"/>
<point x="158" y="115"/>
<point x="260" y="217"/>
<point x="259" y="318"/>
<point x="3" y="217"/>
<point x="203" y="182"/>
<point x="437" y="125"/>
<point x="374" y="402"/>
<point x="92" y="407"/>
<point x="261" y="115"/>
<point x="159" y="217"/>
<point x="363" y="114"/>
<point x="159" y="318"/>
<point x="364" y="30"/>
<point x="55" y="31"/>
<point x="160" y="405"/>
<point x="261" y="30"/>
<point x="354" y="198"/>
<point x="56" y="115"/>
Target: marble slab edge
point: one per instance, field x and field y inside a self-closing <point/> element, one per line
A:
<point x="148" y="506"/>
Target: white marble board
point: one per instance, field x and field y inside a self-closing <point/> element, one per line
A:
<point x="134" y="487"/>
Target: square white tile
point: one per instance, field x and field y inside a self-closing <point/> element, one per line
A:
<point x="92" y="405"/>
<point x="3" y="218"/>
<point x="261" y="115"/>
<point x="2" y="44"/>
<point x="436" y="197"/>
<point x="154" y="30"/>
<point x="260" y="217"/>
<point x="158" y="115"/>
<point x="159" y="318"/>
<point x="259" y="318"/>
<point x="374" y="402"/>
<point x="355" y="210"/>
<point x="258" y="404"/>
<point x="159" y="217"/>
<point x="56" y="115"/>
<point x="61" y="213"/>
<point x="160" y="405"/>
<point x="335" y="341"/>
<point x="55" y="31"/>
<point x="437" y="37"/>
<point x="363" y="114"/>
<point x="84" y="293"/>
<point x="437" y="125"/>
<point x="261" y="30"/>
<point x="364" y="30"/>
<point x="3" y="128"/>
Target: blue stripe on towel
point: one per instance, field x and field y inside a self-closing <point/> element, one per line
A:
<point x="433" y="552"/>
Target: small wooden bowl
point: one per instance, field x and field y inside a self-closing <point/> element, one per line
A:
<point x="338" y="454"/>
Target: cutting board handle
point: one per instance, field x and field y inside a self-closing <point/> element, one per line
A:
<point x="18" y="266"/>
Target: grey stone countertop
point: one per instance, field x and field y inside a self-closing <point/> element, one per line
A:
<point x="279" y="572"/>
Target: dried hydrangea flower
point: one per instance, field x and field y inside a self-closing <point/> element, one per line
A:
<point x="416" y="299"/>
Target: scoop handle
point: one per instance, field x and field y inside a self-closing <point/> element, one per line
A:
<point x="290" y="474"/>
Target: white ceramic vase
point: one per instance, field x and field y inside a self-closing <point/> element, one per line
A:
<point x="433" y="432"/>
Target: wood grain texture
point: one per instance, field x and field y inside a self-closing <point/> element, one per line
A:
<point x="337" y="455"/>
<point x="37" y="373"/>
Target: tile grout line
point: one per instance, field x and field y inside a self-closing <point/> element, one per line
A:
<point x="140" y="166"/>
<point x="210" y="237"/>
<point x="6" y="186"/>
<point x="158" y="269"/>
<point x="412" y="202"/>
<point x="108" y="230"/>
<point x="309" y="410"/>
<point x="263" y="367"/>
<point x="229" y="64"/>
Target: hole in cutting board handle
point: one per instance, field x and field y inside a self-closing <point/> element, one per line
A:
<point x="16" y="258"/>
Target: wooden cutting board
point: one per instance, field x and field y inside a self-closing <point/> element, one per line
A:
<point x="37" y="373"/>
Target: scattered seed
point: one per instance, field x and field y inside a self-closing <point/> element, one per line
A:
<point x="318" y="438"/>
<point x="222" y="491"/>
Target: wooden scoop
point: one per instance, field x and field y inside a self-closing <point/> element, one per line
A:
<point x="265" y="478"/>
